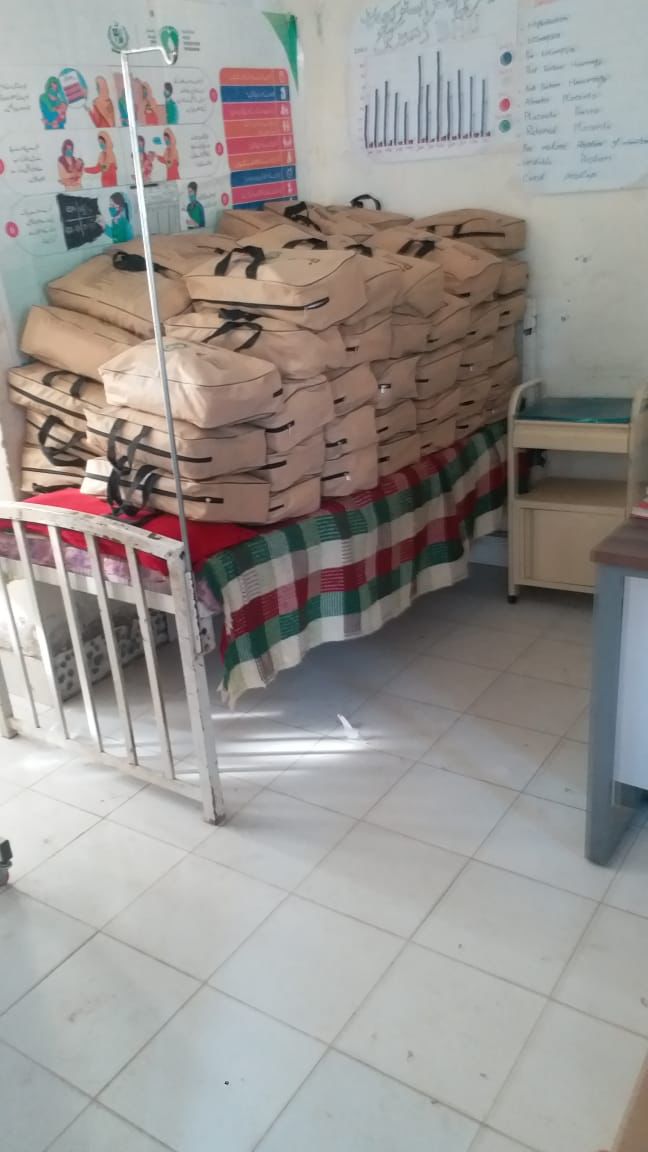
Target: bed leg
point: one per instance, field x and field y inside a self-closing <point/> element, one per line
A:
<point x="197" y="689"/>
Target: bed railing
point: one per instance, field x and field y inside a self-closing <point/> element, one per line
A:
<point x="177" y="598"/>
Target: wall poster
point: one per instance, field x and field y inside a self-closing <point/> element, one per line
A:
<point x="217" y="129"/>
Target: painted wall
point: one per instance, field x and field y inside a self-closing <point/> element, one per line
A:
<point x="588" y="253"/>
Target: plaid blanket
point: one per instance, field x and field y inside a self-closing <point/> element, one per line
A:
<point x="358" y="563"/>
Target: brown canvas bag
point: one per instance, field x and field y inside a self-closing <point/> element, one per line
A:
<point x="352" y="388"/>
<point x="484" y="322"/>
<point x="468" y="425"/>
<point x="367" y="209"/>
<point x="369" y="339"/>
<point x="51" y="392"/>
<point x="351" y="432"/>
<point x="492" y="231"/>
<point x="438" y="371"/>
<point x="284" y="470"/>
<point x="209" y="387"/>
<point x="512" y="308"/>
<point x="142" y="438"/>
<point x="439" y="408"/>
<point x="400" y="453"/>
<point x="438" y="435"/>
<point x="451" y="323"/>
<point x="421" y="285"/>
<point x="179" y="252"/>
<point x="396" y="421"/>
<point x="470" y="273"/>
<point x="41" y="472"/>
<point x="410" y="335"/>
<point x="476" y="360"/>
<point x="239" y="222"/>
<point x="242" y="499"/>
<point x="357" y="472"/>
<point x="60" y="444"/>
<point x="320" y="220"/>
<point x="114" y="288"/>
<point x="396" y="381"/>
<point x="382" y="275"/>
<point x="515" y="277"/>
<point x="312" y="288"/>
<point x="72" y="341"/>
<point x="296" y="352"/>
<point x="302" y="414"/>
<point x="506" y="375"/>
<point x="504" y="345"/>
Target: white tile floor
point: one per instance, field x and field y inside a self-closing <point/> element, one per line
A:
<point x="394" y="944"/>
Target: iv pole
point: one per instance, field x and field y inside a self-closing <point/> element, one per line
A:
<point x="169" y="58"/>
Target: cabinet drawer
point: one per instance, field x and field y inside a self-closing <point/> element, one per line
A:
<point x="555" y="545"/>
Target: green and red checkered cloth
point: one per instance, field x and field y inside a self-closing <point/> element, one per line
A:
<point x="360" y="562"/>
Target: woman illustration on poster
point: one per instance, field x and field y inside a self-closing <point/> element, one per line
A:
<point x="146" y="159"/>
<point x="151" y="108"/>
<point x="170" y="157"/>
<point x="106" y="165"/>
<point x="53" y="105"/>
<point x="102" y="111"/>
<point x="120" y="228"/>
<point x="70" y="167"/>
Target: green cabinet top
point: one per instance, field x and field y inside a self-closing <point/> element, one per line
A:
<point x="580" y="410"/>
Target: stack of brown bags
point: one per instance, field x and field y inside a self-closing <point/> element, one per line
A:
<point x="310" y="351"/>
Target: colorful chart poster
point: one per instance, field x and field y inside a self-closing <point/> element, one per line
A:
<point x="215" y="129"/>
<point x="435" y="79"/>
<point x="257" y="116"/>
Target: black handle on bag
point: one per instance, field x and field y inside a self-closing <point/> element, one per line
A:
<point x="237" y="321"/>
<point x="256" y="255"/>
<point x="59" y="455"/>
<point x="309" y="241"/>
<point x="458" y="232"/>
<point x="77" y="384"/>
<point x="299" y="212"/>
<point x="418" y="248"/>
<point x="359" y="201"/>
<point x="363" y="249"/>
<point x="131" y="262"/>
<point x="143" y="482"/>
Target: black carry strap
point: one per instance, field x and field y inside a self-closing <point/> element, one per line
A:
<point x="122" y="503"/>
<point x="60" y="456"/>
<point x="256" y="257"/>
<point x="77" y="384"/>
<point x="307" y="241"/>
<point x="299" y="213"/>
<point x="131" y="262"/>
<point x="360" y="201"/>
<point x="124" y="463"/>
<point x="418" y="248"/>
<point x="237" y="321"/>
<point x="458" y="232"/>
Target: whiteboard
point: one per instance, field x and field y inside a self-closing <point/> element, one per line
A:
<point x="585" y="95"/>
<point x="434" y="79"/>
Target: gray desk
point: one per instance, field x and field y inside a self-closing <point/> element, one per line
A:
<point x="611" y="806"/>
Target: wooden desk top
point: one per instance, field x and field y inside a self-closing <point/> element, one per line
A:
<point x="626" y="547"/>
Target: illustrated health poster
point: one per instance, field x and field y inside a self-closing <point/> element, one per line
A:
<point x="218" y="129"/>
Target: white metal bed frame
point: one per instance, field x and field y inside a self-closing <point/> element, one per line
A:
<point x="179" y="602"/>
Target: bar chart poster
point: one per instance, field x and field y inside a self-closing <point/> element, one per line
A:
<point x="436" y="78"/>
<point x="259" y="138"/>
